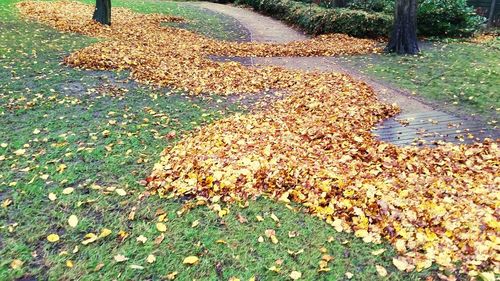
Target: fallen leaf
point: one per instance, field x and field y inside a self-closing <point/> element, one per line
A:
<point x="295" y="275"/>
<point x="142" y="239"/>
<point x="68" y="190"/>
<point x="378" y="252"/>
<point x="151" y="259"/>
<point x="53" y="238"/>
<point x="400" y="263"/>
<point x="172" y="275"/>
<point x="16" y="264"/>
<point x="52" y="196"/>
<point x="20" y="152"/>
<point x="161" y="227"/>
<point x="104" y="233"/>
<point x="89" y="238"/>
<point x="120" y="258"/>
<point x="381" y="270"/>
<point x="73" y="221"/>
<point x="120" y="191"/>
<point x="190" y="260"/>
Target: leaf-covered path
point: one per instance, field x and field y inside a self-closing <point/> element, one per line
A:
<point x="420" y="121"/>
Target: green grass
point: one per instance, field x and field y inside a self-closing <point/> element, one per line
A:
<point x="78" y="132"/>
<point x="457" y="75"/>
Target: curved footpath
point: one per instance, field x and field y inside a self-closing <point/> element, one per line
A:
<point x="418" y="123"/>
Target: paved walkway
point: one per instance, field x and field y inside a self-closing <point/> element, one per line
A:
<point x="418" y="123"/>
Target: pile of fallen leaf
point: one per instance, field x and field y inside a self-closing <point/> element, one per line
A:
<point x="314" y="147"/>
<point x="178" y="58"/>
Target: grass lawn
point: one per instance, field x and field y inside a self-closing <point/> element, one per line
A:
<point x="459" y="75"/>
<point x="72" y="141"/>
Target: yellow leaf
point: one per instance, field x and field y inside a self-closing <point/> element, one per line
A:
<point x="120" y="258"/>
<point x="69" y="263"/>
<point x="104" y="232"/>
<point x="90" y="237"/>
<point x="381" y="270"/>
<point x="190" y="260"/>
<point x="161" y="227"/>
<point x="53" y="238"/>
<point x="16" y="263"/>
<point x="120" y="191"/>
<point x="61" y="168"/>
<point x="73" y="221"/>
<point x="378" y="252"/>
<point x="274" y="217"/>
<point x="141" y="239"/>
<point x="52" y="196"/>
<point x="151" y="259"/>
<point x="274" y="239"/>
<point x="195" y="223"/>
<point x="68" y="190"/>
<point x="172" y="275"/>
<point x="349" y="275"/>
<point x="6" y="203"/>
<point x="20" y="152"/>
<point x="400" y="263"/>
<point x="295" y="275"/>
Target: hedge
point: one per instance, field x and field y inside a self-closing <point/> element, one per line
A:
<point x="318" y="20"/>
<point x="435" y="17"/>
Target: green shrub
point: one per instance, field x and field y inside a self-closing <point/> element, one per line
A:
<point x="371" y="18"/>
<point x="386" y="6"/>
<point x="319" y="20"/>
<point x="447" y="18"/>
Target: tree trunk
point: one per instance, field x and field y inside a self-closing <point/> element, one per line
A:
<point x="491" y="14"/>
<point x="102" y="12"/>
<point x="404" y="34"/>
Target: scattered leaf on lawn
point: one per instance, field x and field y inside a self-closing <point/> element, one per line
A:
<point x="104" y="233"/>
<point x="120" y="191"/>
<point x="73" y="221"/>
<point x="151" y="259"/>
<point x="161" y="227"/>
<point x="190" y="260"/>
<point x="378" y="252"/>
<point x="295" y="275"/>
<point x="120" y="258"/>
<point x="53" y="238"/>
<point x="142" y="239"/>
<point x="68" y="190"/>
<point x="89" y="238"/>
<point x="16" y="263"/>
<point x="52" y="196"/>
<point x="172" y="275"/>
<point x="381" y="270"/>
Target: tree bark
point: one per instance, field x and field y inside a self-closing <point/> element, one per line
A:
<point x="491" y="14"/>
<point x="102" y="12"/>
<point x="403" y="38"/>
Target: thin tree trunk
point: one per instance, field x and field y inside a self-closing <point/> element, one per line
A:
<point x="102" y="12"/>
<point x="404" y="34"/>
<point x="492" y="12"/>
